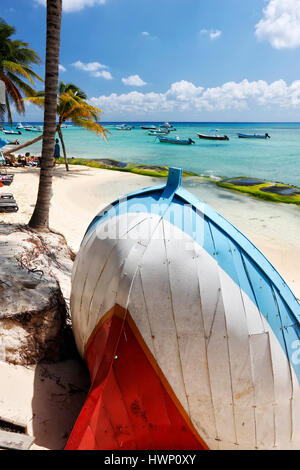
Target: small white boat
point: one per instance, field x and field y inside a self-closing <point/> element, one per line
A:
<point x="167" y="125"/>
<point x="159" y="132"/>
<point x="123" y="127"/>
<point x="20" y="125"/>
<point x="11" y="132"/>
<point x="31" y="128"/>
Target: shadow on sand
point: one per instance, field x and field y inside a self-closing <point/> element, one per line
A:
<point x="60" y="390"/>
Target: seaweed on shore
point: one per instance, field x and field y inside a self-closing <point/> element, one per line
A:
<point x="110" y="164"/>
<point x="276" y="192"/>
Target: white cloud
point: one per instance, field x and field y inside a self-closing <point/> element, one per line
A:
<point x="280" y="24"/>
<point x="185" y="96"/>
<point x="134" y="80"/>
<point x="95" y="69"/>
<point x="215" y="34"/>
<point x="104" y="74"/>
<point x="62" y="68"/>
<point x="76" y="5"/>
<point x="89" y="67"/>
<point x="212" y="33"/>
<point x="147" y="35"/>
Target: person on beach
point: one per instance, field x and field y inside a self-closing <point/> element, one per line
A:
<point x="56" y="151"/>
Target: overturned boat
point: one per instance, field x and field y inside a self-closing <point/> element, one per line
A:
<point x="191" y="337"/>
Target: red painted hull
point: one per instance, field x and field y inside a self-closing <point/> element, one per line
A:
<point x="130" y="405"/>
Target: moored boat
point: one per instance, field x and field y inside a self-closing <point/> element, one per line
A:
<point x="159" y="132"/>
<point x="31" y="128"/>
<point x="177" y="140"/>
<point x="254" y="136"/>
<point x="167" y="125"/>
<point x="20" y="125"/>
<point x="212" y="137"/>
<point x="11" y="132"/>
<point x="190" y="335"/>
<point x="149" y="128"/>
<point x="123" y="127"/>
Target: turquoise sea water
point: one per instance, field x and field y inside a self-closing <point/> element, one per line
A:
<point x="275" y="159"/>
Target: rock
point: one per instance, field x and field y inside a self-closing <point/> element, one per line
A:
<point x="35" y="273"/>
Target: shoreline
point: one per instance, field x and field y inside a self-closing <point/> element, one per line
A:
<point x="82" y="192"/>
<point x="263" y="189"/>
<point x="274" y="191"/>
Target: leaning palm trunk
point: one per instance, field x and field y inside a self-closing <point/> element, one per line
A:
<point x="40" y="216"/>
<point x="63" y="146"/>
<point x="21" y="146"/>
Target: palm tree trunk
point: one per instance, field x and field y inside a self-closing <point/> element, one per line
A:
<point x="40" y="216"/>
<point x="8" y="110"/>
<point x="63" y="147"/>
<point x="21" y="146"/>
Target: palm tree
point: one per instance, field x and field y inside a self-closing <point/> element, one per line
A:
<point x="40" y="216"/>
<point x="72" y="106"/>
<point x="15" y="66"/>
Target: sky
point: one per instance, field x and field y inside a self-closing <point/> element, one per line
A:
<point x="173" y="60"/>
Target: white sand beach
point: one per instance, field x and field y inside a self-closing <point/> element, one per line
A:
<point x="77" y="197"/>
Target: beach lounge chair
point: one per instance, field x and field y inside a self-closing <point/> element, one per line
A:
<point x="8" y="203"/>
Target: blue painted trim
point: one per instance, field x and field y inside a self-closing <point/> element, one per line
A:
<point x="174" y="178"/>
<point x="244" y="243"/>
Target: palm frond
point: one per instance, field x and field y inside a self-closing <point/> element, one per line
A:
<point x="75" y="90"/>
<point x="16" y="59"/>
<point x="8" y="110"/>
<point x="24" y="87"/>
<point x="15" y="68"/>
<point x="61" y="88"/>
<point x="13" y="93"/>
<point x="37" y="100"/>
<point x="24" y="54"/>
<point x="32" y="73"/>
<point x="91" y="126"/>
